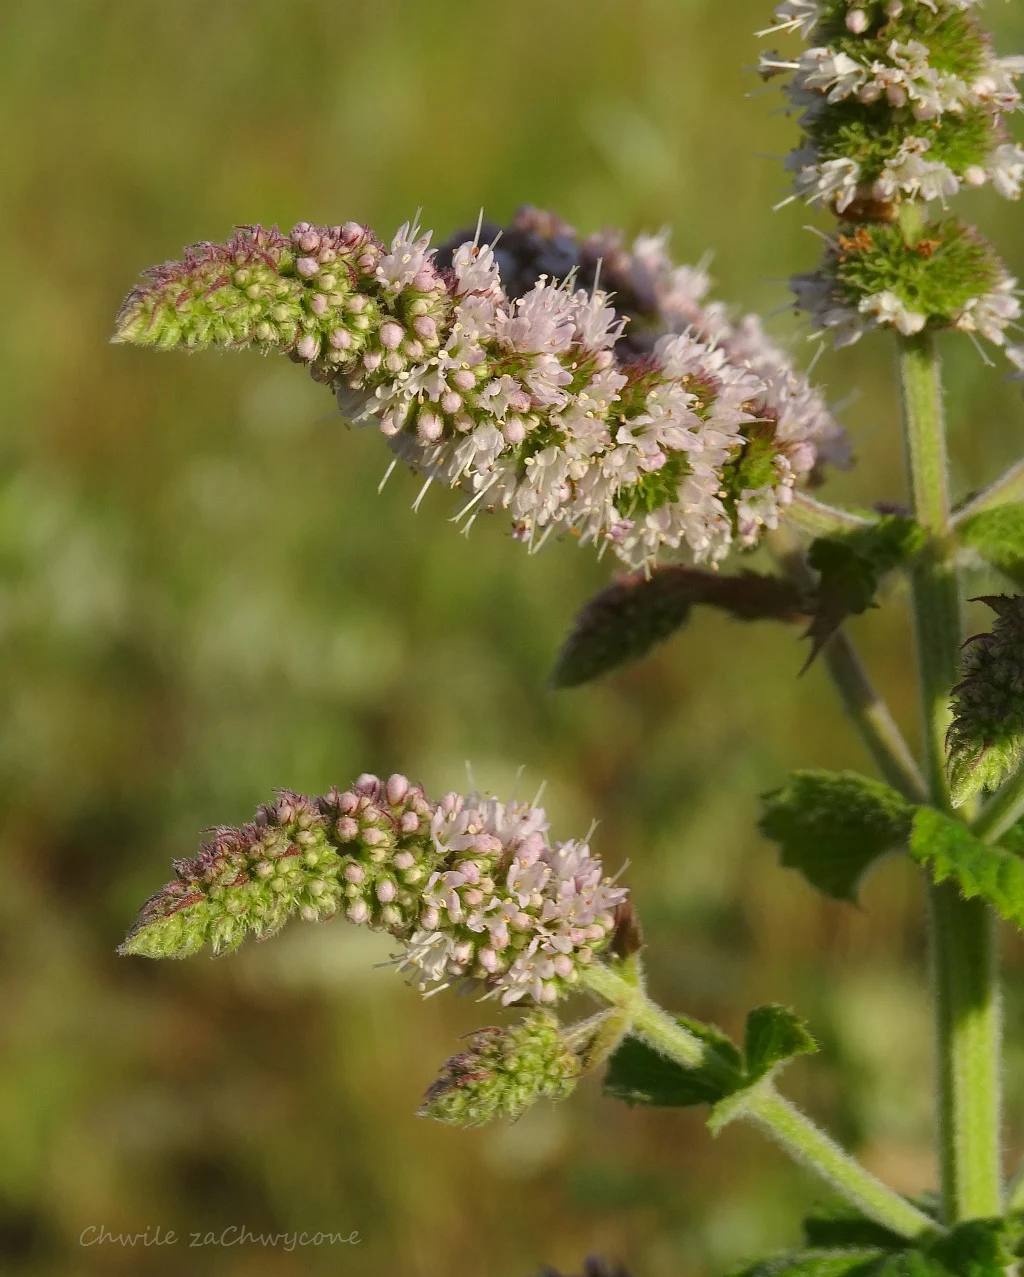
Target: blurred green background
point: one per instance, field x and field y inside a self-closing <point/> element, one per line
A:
<point x="202" y="597"/>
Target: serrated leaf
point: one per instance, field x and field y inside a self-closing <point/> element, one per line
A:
<point x="949" y="850"/>
<point x="997" y="535"/>
<point x="774" y="1034"/>
<point x="851" y="568"/>
<point x="631" y="616"/>
<point x="831" y="826"/>
<point x="639" y="1074"/>
<point x="838" y="1225"/>
<point x="976" y="1248"/>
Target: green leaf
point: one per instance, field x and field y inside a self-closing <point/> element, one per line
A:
<point x="949" y="850"/>
<point x="978" y="1248"/>
<point x="774" y="1034"/>
<point x="838" y="1224"/>
<point x="639" y="1074"/>
<point x="851" y="568"/>
<point x="831" y="826"/>
<point x="631" y="616"/>
<point x="997" y="535"/>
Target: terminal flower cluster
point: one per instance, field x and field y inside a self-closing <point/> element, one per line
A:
<point x="898" y="100"/>
<point x="472" y="888"/>
<point x="526" y="402"/>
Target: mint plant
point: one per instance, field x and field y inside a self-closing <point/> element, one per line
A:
<point x="588" y="388"/>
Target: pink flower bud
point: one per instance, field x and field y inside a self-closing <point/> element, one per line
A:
<point x="426" y="327"/>
<point x="348" y="802"/>
<point x="308" y="267"/>
<point x="514" y="430"/>
<point x="404" y="860"/>
<point x="391" y="335"/>
<point x="396" y="788"/>
<point x="464" y="379"/>
<point x="341" y="339"/>
<point x="347" y="828"/>
<point x="386" y="891"/>
<point x="355" y="874"/>
<point x="307" y="347"/>
<point x="374" y="837"/>
<point x="372" y="360"/>
<point x="451" y="401"/>
<point x="318" y="304"/>
<point x="429" y="427"/>
<point x="489" y="960"/>
<point x="358" y="911"/>
<point x="409" y="823"/>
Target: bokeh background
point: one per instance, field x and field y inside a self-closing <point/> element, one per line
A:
<point x="203" y="597"/>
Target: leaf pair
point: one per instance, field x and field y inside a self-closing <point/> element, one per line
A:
<point x="639" y="1074"/>
<point x="843" y="1244"/>
<point x="833" y="827"/>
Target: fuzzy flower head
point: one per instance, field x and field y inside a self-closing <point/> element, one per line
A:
<point x="471" y="888"/>
<point x="502" y="1072"/>
<point x="985" y="743"/>
<point x="534" y="404"/>
<point x="898" y="100"/>
<point x="877" y="276"/>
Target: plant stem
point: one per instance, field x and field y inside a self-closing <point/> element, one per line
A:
<point x="821" y="520"/>
<point x="964" y="973"/>
<point x="790" y="1128"/>
<point x="864" y="706"/>
<point x="1008" y="487"/>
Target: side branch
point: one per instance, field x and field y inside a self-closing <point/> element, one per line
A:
<point x="860" y="699"/>
<point x="821" y="520"/>
<point x="1008" y="487"/>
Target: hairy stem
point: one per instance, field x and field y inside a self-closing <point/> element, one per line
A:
<point x="964" y="975"/>
<point x="763" y="1106"/>
<point x="864" y="706"/>
<point x="820" y="520"/>
<point x="1008" y="487"/>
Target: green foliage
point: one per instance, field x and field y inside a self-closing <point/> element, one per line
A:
<point x="977" y="1248"/>
<point x="832" y="826"/>
<point x="838" y="1225"/>
<point x="629" y="617"/>
<point x="934" y="275"/>
<point x="502" y="1072"/>
<point x="640" y="1074"/>
<point x="773" y="1035"/>
<point x="985" y="741"/>
<point x="956" y="43"/>
<point x="997" y="535"/>
<point x="851" y="568"/>
<point x="949" y="850"/>
<point x="870" y="135"/>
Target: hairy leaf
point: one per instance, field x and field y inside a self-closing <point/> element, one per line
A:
<point x="997" y="535"/>
<point x="635" y="613"/>
<point x="838" y="1224"/>
<point x="831" y="826"/>
<point x="949" y="850"/>
<point x="774" y="1034"/>
<point x="851" y="568"/>
<point x="639" y="1074"/>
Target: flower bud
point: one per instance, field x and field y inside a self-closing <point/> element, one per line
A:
<point x="502" y="1073"/>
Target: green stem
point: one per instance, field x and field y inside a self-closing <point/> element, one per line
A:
<point x="963" y="950"/>
<point x="790" y="1128"/>
<point x="820" y="520"/>
<point x="1008" y="487"/>
<point x="864" y="706"/>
